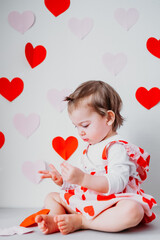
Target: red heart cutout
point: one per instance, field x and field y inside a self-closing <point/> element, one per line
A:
<point x="30" y="220"/>
<point x="65" y="148"/>
<point x="89" y="210"/>
<point x="2" y="139"/>
<point x="11" y="90"/>
<point x="56" y="7"/>
<point x="36" y="55"/>
<point x="148" y="99"/>
<point x="153" y="46"/>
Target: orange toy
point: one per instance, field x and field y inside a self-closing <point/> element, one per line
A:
<point x="30" y="221"/>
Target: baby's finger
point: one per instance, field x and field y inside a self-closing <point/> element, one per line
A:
<point x="43" y="171"/>
<point x="46" y="176"/>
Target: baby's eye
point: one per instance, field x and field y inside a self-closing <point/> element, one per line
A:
<point x="85" y="126"/>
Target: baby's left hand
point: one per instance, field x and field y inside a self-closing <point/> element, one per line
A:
<point x="72" y="174"/>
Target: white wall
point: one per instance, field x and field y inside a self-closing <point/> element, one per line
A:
<point x="69" y="62"/>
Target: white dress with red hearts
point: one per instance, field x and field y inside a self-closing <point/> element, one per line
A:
<point x="124" y="165"/>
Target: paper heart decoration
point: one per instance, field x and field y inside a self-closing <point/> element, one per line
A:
<point x="148" y="98"/>
<point x="114" y="63"/>
<point x="57" y="7"/>
<point x="56" y="98"/>
<point x="65" y="148"/>
<point x="2" y="139"/>
<point x="30" y="220"/>
<point x="80" y="27"/>
<point x="30" y="170"/>
<point x="11" y="90"/>
<point x="21" y="22"/>
<point x="126" y="18"/>
<point x="26" y="125"/>
<point x="153" y="46"/>
<point x="9" y="231"/>
<point x="36" y="55"/>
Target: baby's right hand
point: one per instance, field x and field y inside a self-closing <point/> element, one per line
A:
<point x="53" y="174"/>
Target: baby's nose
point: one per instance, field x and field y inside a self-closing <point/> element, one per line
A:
<point x="82" y="133"/>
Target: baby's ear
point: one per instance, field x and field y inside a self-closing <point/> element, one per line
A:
<point x="110" y="117"/>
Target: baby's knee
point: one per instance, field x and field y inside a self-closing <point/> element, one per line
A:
<point x="134" y="213"/>
<point x="53" y="196"/>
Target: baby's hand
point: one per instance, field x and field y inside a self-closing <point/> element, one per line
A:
<point x="53" y="174"/>
<point x="72" y="174"/>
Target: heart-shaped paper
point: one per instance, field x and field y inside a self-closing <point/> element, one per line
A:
<point x="30" y="170"/>
<point x="57" y="7"/>
<point x="65" y="148"/>
<point x="126" y="18"/>
<point x="80" y="27"/>
<point x="11" y="90"/>
<point x="30" y="220"/>
<point x="21" y="22"/>
<point x="114" y="63"/>
<point x="36" y="55"/>
<point x="56" y="98"/>
<point x="26" y="125"/>
<point x="153" y="46"/>
<point x="2" y="139"/>
<point x="148" y="99"/>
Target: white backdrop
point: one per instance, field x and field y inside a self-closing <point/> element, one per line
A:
<point x="69" y="62"/>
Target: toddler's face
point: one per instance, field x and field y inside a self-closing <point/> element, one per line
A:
<point x="92" y="127"/>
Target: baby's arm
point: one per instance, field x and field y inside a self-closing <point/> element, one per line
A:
<point x="76" y="176"/>
<point x="119" y="169"/>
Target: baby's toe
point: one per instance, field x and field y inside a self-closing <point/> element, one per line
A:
<point x="38" y="219"/>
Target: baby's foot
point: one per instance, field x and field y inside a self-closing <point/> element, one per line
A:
<point x="68" y="223"/>
<point x="46" y="224"/>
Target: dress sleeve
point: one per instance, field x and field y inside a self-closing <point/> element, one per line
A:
<point x="119" y="168"/>
<point x="68" y="186"/>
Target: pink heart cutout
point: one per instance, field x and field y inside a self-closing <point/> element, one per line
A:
<point x="114" y="63"/>
<point x="30" y="170"/>
<point x="26" y="125"/>
<point x="80" y="27"/>
<point x="126" y="18"/>
<point x="56" y="98"/>
<point x="21" y="22"/>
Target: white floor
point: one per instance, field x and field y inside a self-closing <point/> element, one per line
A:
<point x="12" y="217"/>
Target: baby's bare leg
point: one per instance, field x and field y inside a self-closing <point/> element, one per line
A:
<point x="46" y="223"/>
<point x="125" y="214"/>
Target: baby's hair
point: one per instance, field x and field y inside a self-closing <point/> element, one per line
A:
<point x="101" y="97"/>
